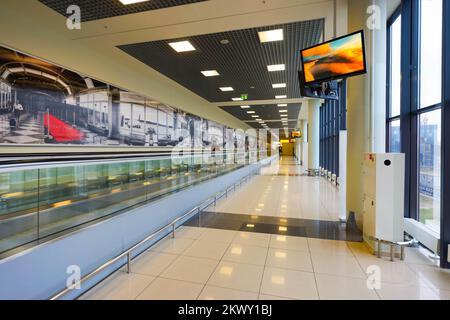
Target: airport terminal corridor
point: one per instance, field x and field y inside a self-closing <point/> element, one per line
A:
<point x="221" y="150"/>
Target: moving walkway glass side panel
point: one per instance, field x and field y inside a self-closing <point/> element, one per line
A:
<point x="60" y="192"/>
<point x="18" y="208"/>
<point x="38" y="203"/>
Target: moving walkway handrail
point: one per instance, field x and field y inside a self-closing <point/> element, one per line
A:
<point x="18" y="158"/>
<point x="7" y="164"/>
<point x="198" y="209"/>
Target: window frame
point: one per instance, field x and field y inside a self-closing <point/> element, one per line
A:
<point x="445" y="139"/>
<point x="397" y="13"/>
<point x="333" y="119"/>
<point x="410" y="112"/>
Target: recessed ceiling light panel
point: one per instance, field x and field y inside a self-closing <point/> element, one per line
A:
<point x="125" y="2"/>
<point x="237" y="99"/>
<point x="271" y="35"/>
<point x="182" y="46"/>
<point x="210" y="73"/>
<point x="279" y="85"/>
<point x="276" y="67"/>
<point x="281" y="97"/>
<point x="226" y="89"/>
<point x="245" y="107"/>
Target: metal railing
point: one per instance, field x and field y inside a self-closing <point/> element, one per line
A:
<point x="173" y="225"/>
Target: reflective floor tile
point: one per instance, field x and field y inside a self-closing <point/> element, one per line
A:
<point x="391" y="272"/>
<point x="216" y="293"/>
<point x="168" y="289"/>
<point x="420" y="256"/>
<point x="190" y="269"/>
<point x="344" y="288"/>
<point x="360" y="249"/>
<point x="246" y="254"/>
<point x="443" y="294"/>
<point x="172" y="246"/>
<point x="329" y="247"/>
<point x="315" y="198"/>
<point x="218" y="235"/>
<point x="237" y="276"/>
<point x="406" y="292"/>
<point x="186" y="232"/>
<point x="433" y="277"/>
<point x="289" y="259"/>
<point x="254" y="239"/>
<point x="119" y="286"/>
<point x="152" y="263"/>
<point x="267" y="297"/>
<point x="289" y="243"/>
<point x="339" y="265"/>
<point x="289" y="284"/>
<point x="205" y="249"/>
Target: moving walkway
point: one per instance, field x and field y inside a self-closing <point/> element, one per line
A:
<point x="41" y="199"/>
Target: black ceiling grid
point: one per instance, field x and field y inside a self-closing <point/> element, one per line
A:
<point x="268" y="113"/>
<point x="100" y="9"/>
<point x="242" y="62"/>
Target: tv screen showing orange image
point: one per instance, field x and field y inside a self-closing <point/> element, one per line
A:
<point x="339" y="58"/>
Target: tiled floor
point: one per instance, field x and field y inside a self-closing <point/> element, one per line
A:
<point x="217" y="259"/>
<point x="281" y="199"/>
<point x="332" y="230"/>
<point x="280" y="191"/>
<point x="202" y="263"/>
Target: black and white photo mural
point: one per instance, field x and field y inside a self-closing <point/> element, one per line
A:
<point x="41" y="103"/>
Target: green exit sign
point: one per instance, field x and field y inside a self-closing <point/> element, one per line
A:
<point x="244" y="96"/>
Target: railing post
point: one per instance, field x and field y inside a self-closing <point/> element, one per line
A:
<point x="173" y="231"/>
<point x="128" y="262"/>
<point x="379" y="249"/>
<point x="402" y="253"/>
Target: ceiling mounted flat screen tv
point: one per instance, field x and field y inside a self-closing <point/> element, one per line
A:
<point x="336" y="59"/>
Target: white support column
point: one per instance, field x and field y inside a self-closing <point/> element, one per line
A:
<point x="366" y="99"/>
<point x="378" y="65"/>
<point x="305" y="143"/>
<point x="314" y="134"/>
<point x="343" y="175"/>
<point x="341" y="30"/>
<point x="297" y="151"/>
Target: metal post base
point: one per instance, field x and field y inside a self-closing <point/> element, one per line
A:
<point x="392" y="246"/>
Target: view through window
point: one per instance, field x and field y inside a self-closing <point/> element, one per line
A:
<point x="430" y="98"/>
